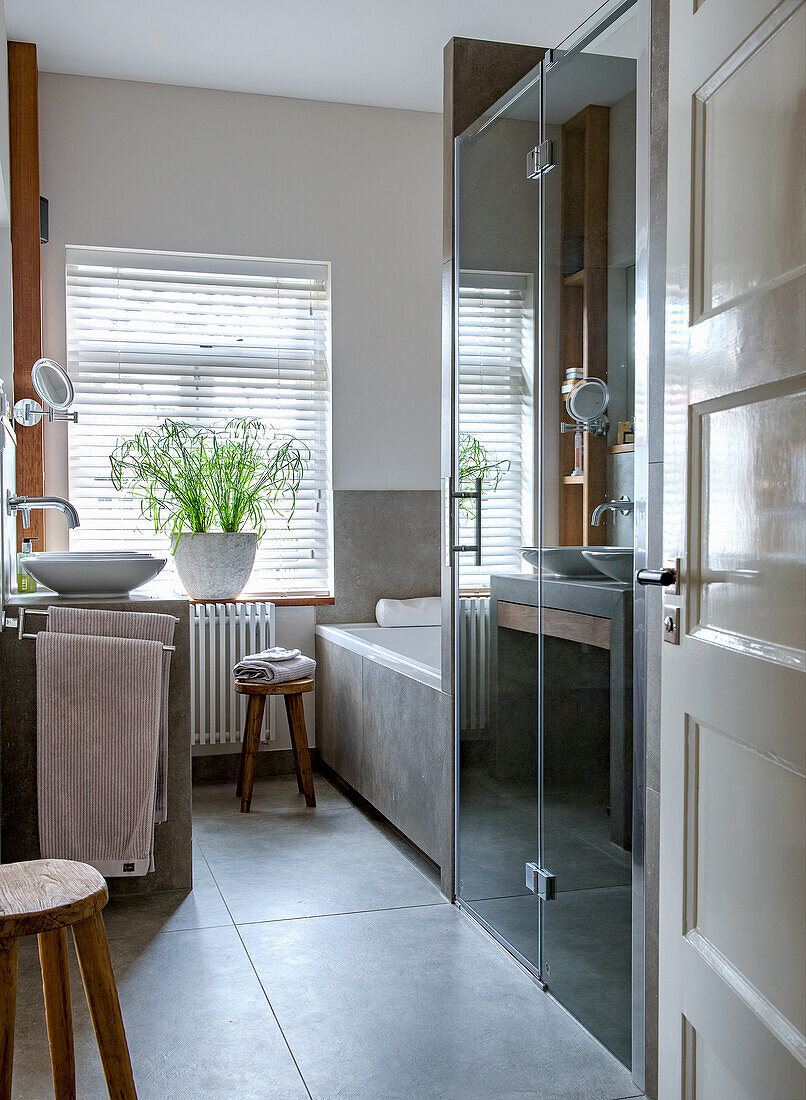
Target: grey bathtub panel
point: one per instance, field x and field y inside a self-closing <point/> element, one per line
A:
<point x="339" y="725"/>
<point x="407" y="765"/>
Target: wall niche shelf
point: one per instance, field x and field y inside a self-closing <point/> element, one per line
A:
<point x="585" y="155"/>
<point x="622" y="449"/>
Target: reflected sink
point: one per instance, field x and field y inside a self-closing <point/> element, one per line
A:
<point x="614" y="561"/>
<point x="562" y="561"/>
<point x="84" y="573"/>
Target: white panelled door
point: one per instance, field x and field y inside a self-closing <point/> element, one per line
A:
<point x="733" y="746"/>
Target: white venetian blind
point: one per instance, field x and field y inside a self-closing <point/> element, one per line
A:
<point x="496" y="406"/>
<point x="201" y="339"/>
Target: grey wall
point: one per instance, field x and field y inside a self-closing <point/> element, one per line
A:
<point x="172" y="839"/>
<point x="386" y="544"/>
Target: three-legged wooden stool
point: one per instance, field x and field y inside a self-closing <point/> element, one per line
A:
<point x="292" y="691"/>
<point x="43" y="897"/>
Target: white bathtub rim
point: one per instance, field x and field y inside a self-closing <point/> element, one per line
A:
<point x="339" y="634"/>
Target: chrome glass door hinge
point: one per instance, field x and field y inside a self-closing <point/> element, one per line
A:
<point x="541" y="882"/>
<point x="539" y="160"/>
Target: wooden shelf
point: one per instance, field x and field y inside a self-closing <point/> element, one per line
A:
<point x="583" y="309"/>
<point x="577" y="279"/>
<point x="621" y="449"/>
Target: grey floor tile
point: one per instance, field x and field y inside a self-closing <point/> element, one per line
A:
<point x="197" y="1022"/>
<point x="284" y="860"/>
<point x="586" y="952"/>
<point x="420" y="1003"/>
<point x="172" y="911"/>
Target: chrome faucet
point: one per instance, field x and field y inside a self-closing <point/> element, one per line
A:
<point x="622" y="505"/>
<point x="23" y="505"/>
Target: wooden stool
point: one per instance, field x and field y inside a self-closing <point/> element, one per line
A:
<point x="292" y="691"/>
<point x="42" y="898"/>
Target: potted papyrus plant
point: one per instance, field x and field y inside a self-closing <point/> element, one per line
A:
<point x="211" y="488"/>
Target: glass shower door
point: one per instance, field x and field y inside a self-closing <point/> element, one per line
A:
<point x="497" y="248"/>
<point x="587" y="380"/>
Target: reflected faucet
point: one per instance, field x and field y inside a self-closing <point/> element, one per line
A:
<point x="622" y="505"/>
<point x="23" y="505"/>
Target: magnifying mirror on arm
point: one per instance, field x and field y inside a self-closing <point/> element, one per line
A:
<point x="587" y="401"/>
<point x="53" y="385"/>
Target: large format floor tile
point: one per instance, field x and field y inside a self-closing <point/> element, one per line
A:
<point x="197" y="1022"/>
<point x="420" y="1003"/>
<point x="173" y="911"/>
<point x="285" y="860"/>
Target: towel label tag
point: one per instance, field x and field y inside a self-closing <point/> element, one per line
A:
<point x="128" y="867"/>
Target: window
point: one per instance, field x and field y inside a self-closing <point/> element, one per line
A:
<point x="202" y="339"/>
<point x="496" y="406"/>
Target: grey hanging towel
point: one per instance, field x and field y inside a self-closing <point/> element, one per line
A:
<point x="98" y="706"/>
<point x="128" y="624"/>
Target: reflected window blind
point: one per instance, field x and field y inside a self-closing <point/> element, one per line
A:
<point x="496" y="402"/>
<point x="201" y="339"/>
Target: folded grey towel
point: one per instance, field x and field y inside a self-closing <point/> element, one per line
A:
<point x="274" y="666"/>
<point x="128" y="624"/>
<point x="98" y="730"/>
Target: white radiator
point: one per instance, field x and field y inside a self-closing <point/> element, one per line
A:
<point x="220" y="634"/>
<point x="474" y="662"/>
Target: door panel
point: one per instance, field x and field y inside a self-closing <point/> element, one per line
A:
<point x="733" y="742"/>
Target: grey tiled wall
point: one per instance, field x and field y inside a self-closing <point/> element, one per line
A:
<point x="386" y="544"/>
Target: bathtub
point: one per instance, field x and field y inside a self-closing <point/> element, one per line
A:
<point x="384" y="726"/>
<point x="414" y="651"/>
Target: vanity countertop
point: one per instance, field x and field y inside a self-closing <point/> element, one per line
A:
<point x="583" y="594"/>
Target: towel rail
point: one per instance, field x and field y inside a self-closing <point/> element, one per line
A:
<point x="46" y="612"/>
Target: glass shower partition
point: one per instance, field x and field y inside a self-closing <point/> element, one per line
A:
<point x="498" y="251"/>
<point x="545" y="378"/>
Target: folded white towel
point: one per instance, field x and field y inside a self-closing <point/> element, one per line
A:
<point x="423" y="611"/>
<point x="274" y="666"/>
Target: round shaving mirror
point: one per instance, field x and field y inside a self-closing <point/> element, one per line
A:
<point x="52" y="383"/>
<point x="587" y="400"/>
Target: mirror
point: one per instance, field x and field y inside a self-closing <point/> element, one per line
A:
<point x="52" y="383"/>
<point x="587" y="400"/>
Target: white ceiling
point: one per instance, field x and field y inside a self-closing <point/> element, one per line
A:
<point x="385" y="53"/>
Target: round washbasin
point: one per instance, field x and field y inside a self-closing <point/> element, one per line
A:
<point x="92" y="574"/>
<point x="562" y="561"/>
<point x="615" y="562"/>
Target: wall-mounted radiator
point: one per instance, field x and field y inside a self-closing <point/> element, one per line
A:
<point x="220" y="634"/>
<point x="474" y="662"/>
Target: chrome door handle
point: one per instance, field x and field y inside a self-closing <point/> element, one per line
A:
<point x="667" y="577"/>
<point x="662" y="577"/>
<point x="449" y="496"/>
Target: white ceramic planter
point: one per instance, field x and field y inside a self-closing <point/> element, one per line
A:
<point x="215" y="565"/>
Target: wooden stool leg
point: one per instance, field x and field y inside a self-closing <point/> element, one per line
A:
<point x="295" y="754"/>
<point x="299" y="739"/>
<point x="102" y="998"/>
<point x="251" y="737"/>
<point x="239" y="784"/>
<point x="58" y="1011"/>
<point x="8" y="1009"/>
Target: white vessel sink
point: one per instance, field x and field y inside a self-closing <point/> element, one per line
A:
<point x="614" y="561"/>
<point x="562" y="561"/>
<point x="80" y="573"/>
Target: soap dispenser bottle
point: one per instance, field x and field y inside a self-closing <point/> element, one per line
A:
<point x="25" y="582"/>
